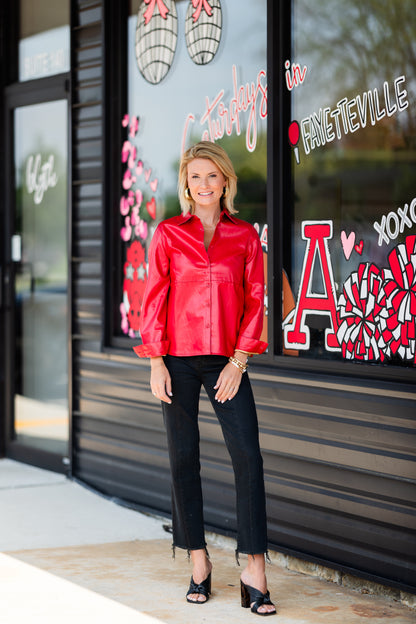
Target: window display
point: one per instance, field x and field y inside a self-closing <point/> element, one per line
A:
<point x="353" y="218"/>
<point x="189" y="79"/>
<point x="349" y="282"/>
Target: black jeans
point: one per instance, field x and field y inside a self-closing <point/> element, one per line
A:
<point x="238" y="419"/>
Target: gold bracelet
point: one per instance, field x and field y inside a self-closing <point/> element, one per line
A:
<point x="242" y="367"/>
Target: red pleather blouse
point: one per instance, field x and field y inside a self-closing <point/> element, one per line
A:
<point x="200" y="302"/>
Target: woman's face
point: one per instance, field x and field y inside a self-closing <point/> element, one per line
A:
<point x="206" y="183"/>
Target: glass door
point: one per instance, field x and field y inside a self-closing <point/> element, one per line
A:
<point x="39" y="254"/>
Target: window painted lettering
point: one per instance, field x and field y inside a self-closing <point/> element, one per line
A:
<point x="220" y="117"/>
<point x="394" y="224"/>
<point x="350" y="115"/>
<point x="296" y="331"/>
<point x="40" y="176"/>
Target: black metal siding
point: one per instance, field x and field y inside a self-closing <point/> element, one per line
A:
<point x="340" y="471"/>
<point x="339" y="454"/>
<point x="2" y="230"/>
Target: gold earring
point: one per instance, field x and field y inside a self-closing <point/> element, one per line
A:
<point x="187" y="193"/>
<point x="225" y="191"/>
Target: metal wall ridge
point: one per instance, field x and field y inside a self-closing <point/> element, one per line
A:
<point x="347" y="385"/>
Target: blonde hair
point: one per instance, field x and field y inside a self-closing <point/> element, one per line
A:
<point x="215" y="153"/>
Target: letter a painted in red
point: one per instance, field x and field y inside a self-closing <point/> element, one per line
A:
<point x="296" y="332"/>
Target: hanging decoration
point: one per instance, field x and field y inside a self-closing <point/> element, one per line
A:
<point x="156" y="37"/>
<point x="203" y="30"/>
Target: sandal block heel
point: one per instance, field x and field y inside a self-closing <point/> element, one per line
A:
<point x="245" y="596"/>
<point x="251" y="595"/>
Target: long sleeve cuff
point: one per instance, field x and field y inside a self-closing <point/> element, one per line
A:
<point x="153" y="349"/>
<point x="250" y="345"/>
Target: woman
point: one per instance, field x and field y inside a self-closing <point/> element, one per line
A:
<point x="201" y="318"/>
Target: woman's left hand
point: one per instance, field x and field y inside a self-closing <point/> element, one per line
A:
<point x="228" y="383"/>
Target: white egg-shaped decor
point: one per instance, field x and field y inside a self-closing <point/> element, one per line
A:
<point x="156" y="37"/>
<point x="203" y="30"/>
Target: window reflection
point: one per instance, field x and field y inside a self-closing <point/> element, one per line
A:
<point x="43" y="38"/>
<point x="354" y="101"/>
<point x="41" y="277"/>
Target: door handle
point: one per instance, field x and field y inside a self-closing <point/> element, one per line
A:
<point x="5" y="295"/>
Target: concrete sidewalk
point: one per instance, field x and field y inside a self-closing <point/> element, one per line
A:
<point x="70" y="555"/>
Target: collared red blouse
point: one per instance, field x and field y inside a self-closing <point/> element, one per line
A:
<point x="198" y="301"/>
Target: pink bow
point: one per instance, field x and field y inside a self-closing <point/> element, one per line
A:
<point x="199" y="5"/>
<point x="148" y="14"/>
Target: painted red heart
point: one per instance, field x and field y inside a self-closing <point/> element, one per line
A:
<point x="359" y="247"/>
<point x="151" y="208"/>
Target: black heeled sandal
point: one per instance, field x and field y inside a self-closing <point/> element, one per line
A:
<point x="251" y="594"/>
<point x="203" y="588"/>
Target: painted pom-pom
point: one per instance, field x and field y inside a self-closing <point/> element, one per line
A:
<point x="203" y="30"/>
<point x="156" y="37"/>
<point x="358" y="315"/>
<point x="398" y="322"/>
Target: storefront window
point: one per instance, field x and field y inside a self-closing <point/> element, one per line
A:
<point x="43" y="38"/>
<point x="40" y="260"/>
<point x="352" y="83"/>
<point x="189" y="78"/>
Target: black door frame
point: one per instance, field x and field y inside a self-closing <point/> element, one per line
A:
<point x="16" y="95"/>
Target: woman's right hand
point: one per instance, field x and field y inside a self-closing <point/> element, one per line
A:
<point x="160" y="381"/>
